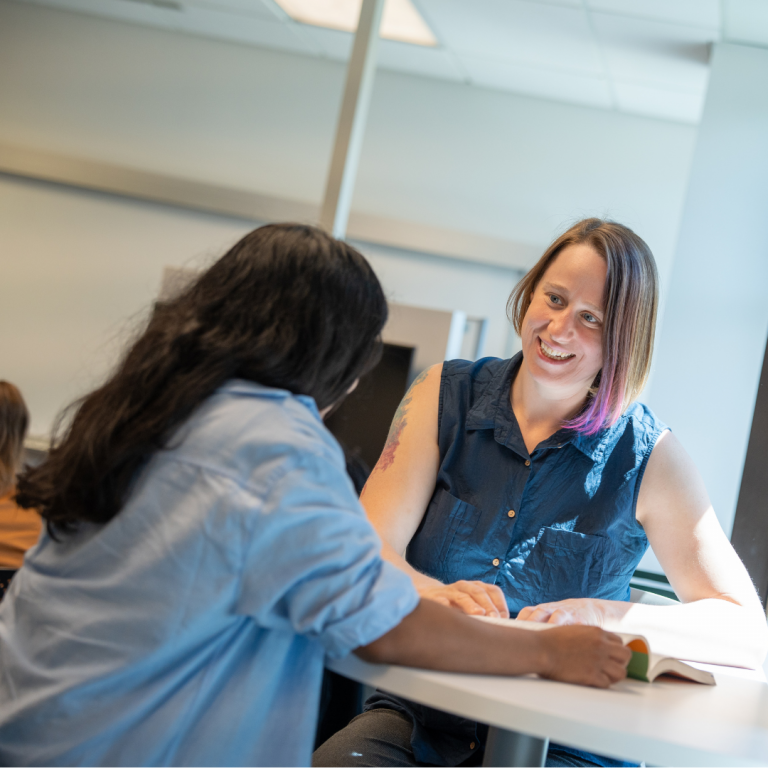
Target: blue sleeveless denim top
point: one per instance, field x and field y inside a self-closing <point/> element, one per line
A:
<point x="555" y="524"/>
<point x="550" y="525"/>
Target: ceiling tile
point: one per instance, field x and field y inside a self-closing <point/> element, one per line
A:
<point x="333" y="43"/>
<point x="703" y="13"/>
<point x="418" y="60"/>
<point x="652" y="57"/>
<point x="245" y="29"/>
<point x="746" y="21"/>
<point x="657" y="102"/>
<point x="260" y="27"/>
<point x="534" y="81"/>
<point x="669" y="56"/>
<point x="532" y="33"/>
<point x="566" y="3"/>
<point x="392" y="55"/>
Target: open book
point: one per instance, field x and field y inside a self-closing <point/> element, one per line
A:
<point x="644" y="664"/>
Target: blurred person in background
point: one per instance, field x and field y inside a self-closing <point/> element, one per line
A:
<point x="19" y="528"/>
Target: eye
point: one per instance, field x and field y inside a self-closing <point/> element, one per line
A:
<point x="555" y="299"/>
<point x="591" y="319"/>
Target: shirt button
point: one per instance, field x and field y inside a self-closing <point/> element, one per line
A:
<point x="496" y="561"/>
<point x="511" y="513"/>
<point x="471" y="744"/>
<point x="527" y="462"/>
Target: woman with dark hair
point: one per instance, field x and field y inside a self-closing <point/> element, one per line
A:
<point x="19" y="528"/>
<point x="205" y="548"/>
<point x="532" y="487"/>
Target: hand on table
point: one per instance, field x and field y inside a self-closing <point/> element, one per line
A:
<point x="584" y="655"/>
<point x="581" y="610"/>
<point x="472" y="597"/>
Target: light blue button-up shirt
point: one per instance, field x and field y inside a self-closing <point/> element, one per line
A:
<point x="191" y="629"/>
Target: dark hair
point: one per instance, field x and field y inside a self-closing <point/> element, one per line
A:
<point x="631" y="299"/>
<point x="14" y="420"/>
<point x="288" y="306"/>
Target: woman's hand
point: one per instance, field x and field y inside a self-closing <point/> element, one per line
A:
<point x="434" y="637"/>
<point x="582" y="610"/>
<point x="584" y="655"/>
<point x="472" y="597"/>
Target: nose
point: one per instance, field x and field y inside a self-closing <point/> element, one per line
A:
<point x="561" y="326"/>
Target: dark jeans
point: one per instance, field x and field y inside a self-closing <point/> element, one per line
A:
<point x="382" y="737"/>
<point x="379" y="738"/>
<point x="341" y="699"/>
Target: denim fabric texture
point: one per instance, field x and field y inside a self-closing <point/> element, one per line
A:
<point x="554" y="524"/>
<point x="193" y="627"/>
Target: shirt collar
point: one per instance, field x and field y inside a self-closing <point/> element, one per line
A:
<point x="493" y="410"/>
<point x="598" y="447"/>
<point x="253" y="389"/>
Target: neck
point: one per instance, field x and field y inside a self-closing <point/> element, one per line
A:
<point x="544" y="408"/>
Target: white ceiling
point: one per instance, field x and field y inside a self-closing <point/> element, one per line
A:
<point x="647" y="57"/>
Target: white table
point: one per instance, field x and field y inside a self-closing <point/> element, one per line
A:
<point x="663" y="723"/>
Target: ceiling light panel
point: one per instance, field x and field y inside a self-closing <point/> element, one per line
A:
<point x="400" y="19"/>
<point x="402" y="22"/>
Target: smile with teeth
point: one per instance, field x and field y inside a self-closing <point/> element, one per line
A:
<point x="551" y="354"/>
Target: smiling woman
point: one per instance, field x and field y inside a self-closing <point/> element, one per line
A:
<point x="533" y="487"/>
<point x="613" y="273"/>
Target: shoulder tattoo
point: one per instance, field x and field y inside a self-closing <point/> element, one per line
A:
<point x="398" y="424"/>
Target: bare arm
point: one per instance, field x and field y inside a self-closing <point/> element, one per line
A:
<point x="720" y="605"/>
<point x="435" y="637"/>
<point x="720" y="619"/>
<point x="400" y="487"/>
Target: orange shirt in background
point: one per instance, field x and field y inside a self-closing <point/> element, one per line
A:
<point x="19" y="530"/>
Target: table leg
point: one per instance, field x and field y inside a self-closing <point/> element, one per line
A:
<point x="510" y="748"/>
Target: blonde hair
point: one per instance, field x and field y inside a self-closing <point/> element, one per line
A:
<point x="631" y="300"/>
<point x="14" y="420"/>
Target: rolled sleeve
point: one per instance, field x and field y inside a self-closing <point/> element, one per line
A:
<point x="314" y="563"/>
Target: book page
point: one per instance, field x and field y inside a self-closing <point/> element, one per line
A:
<point x="643" y="664"/>
<point x="694" y="643"/>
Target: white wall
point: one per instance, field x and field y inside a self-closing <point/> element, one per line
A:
<point x="80" y="270"/>
<point x="712" y="343"/>
<point x="77" y="270"/>
<point x="424" y="280"/>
